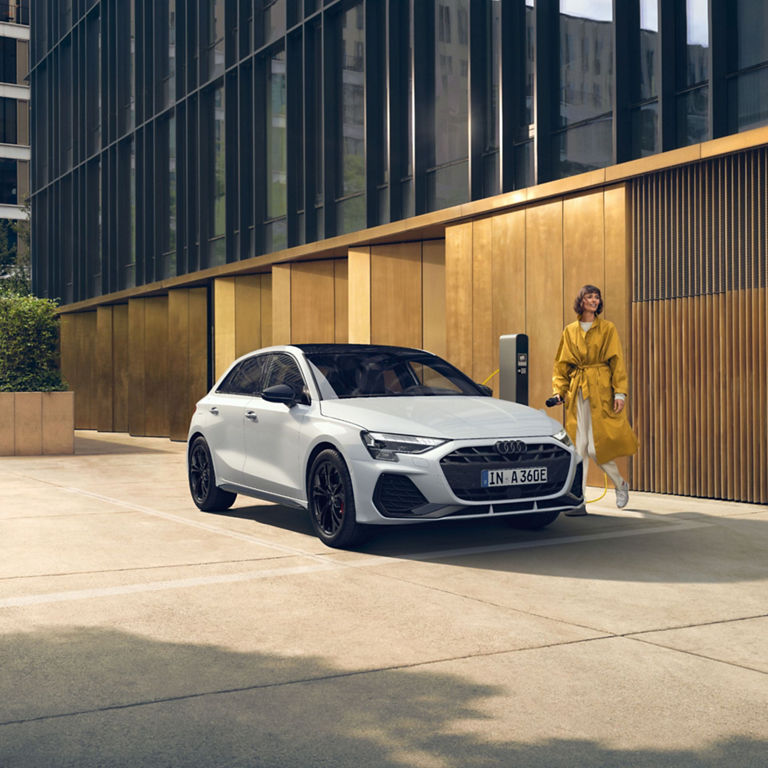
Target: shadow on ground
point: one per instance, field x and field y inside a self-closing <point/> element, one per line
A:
<point x="102" y="445"/>
<point x="651" y="548"/>
<point x="92" y="697"/>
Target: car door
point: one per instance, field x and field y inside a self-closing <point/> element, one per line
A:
<point x="227" y="415"/>
<point x="273" y="455"/>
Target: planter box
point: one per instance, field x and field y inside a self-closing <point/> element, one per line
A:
<point x="37" y="423"/>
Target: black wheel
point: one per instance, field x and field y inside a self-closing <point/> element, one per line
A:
<point x="331" y="501"/>
<point x="532" y="521"/>
<point x="202" y="480"/>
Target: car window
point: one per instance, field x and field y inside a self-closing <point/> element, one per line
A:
<point x="246" y="378"/>
<point x="284" y="370"/>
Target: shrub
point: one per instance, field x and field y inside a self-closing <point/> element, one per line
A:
<point x="29" y="345"/>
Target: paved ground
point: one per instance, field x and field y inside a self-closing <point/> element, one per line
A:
<point x="138" y="631"/>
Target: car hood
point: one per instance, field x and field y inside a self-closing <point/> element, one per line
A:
<point x="457" y="418"/>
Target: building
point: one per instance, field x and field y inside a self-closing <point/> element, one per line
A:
<point x="14" y="122"/>
<point x="212" y="176"/>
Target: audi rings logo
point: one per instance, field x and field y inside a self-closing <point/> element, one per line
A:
<point x="508" y="447"/>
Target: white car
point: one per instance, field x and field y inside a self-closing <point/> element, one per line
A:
<point x="363" y="435"/>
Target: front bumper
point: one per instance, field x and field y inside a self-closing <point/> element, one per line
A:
<point x="443" y="483"/>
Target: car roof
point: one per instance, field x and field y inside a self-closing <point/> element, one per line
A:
<point x="309" y="349"/>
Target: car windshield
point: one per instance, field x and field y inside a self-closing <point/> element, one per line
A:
<point x="387" y="373"/>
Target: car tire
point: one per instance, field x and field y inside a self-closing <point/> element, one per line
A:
<point x="532" y="521"/>
<point x="332" y="502"/>
<point x="202" y="480"/>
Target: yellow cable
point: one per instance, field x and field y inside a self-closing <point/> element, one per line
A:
<point x="605" y="490"/>
<point x="491" y="376"/>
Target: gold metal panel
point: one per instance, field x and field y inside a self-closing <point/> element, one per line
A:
<point x="247" y="314"/>
<point x="484" y="346"/>
<point x="458" y="294"/>
<point x="281" y="304"/>
<point x="312" y="302"/>
<point x="652" y="163"/>
<point x="433" y="296"/>
<point x="396" y="294"/>
<point x="543" y="295"/>
<point x="197" y="382"/>
<point x="78" y="348"/>
<point x="58" y="412"/>
<point x="177" y="363"/>
<point x="266" y="310"/>
<point x="508" y="280"/>
<point x="6" y="424"/>
<point x="28" y="431"/>
<point x="156" y="372"/>
<point x="735" y="143"/>
<point x="136" y="367"/>
<point x="104" y="373"/>
<point x="120" y="367"/>
<point x="359" y="299"/>
<point x="224" y="328"/>
<point x="341" y="301"/>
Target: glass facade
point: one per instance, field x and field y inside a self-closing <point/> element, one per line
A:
<point x="193" y="134"/>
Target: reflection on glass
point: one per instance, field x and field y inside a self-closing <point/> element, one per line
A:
<point x="169" y="262"/>
<point x="649" y="35"/>
<point x="218" y="219"/>
<point x="352" y="140"/>
<point x="585" y="147"/>
<point x="451" y="128"/>
<point x="586" y="60"/>
<point x="747" y="105"/>
<point x="697" y="42"/>
<point x="276" y="138"/>
<point x="273" y="19"/>
<point x="751" y="39"/>
<point x="645" y="130"/>
<point x="523" y="171"/>
<point x="214" y="37"/>
<point x="530" y="59"/>
<point x="692" y="113"/>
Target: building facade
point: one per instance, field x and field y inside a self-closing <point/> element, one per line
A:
<point x="212" y="176"/>
<point x="14" y="124"/>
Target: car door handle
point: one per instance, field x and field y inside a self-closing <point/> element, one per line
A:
<point x="214" y="410"/>
<point x="251" y="416"/>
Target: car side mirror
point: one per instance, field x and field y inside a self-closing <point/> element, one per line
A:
<point x="280" y="393"/>
<point x="486" y="390"/>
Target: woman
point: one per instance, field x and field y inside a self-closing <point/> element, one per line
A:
<point x="591" y="379"/>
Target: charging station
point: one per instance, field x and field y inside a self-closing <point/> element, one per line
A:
<point x="513" y="367"/>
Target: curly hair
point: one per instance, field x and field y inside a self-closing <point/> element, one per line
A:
<point x="578" y="304"/>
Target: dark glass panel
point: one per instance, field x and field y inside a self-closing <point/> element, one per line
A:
<point x="523" y="165"/>
<point x="352" y="139"/>
<point x="696" y="43"/>
<point x="649" y="50"/>
<point x="8" y="113"/>
<point x="351" y="214"/>
<point x="7" y="60"/>
<point x="586" y="60"/>
<point x="273" y="19"/>
<point x="213" y="38"/>
<point x="747" y="105"/>
<point x="447" y="186"/>
<point x="692" y="117"/>
<point x="451" y="127"/>
<point x="218" y="221"/>
<point x="751" y="32"/>
<point x="584" y="148"/>
<point x="275" y="114"/>
<point x="645" y="122"/>
<point x="9" y="193"/>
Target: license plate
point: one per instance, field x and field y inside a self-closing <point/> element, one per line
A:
<point x="490" y="478"/>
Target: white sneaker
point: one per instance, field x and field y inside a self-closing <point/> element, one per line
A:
<point x="622" y="495"/>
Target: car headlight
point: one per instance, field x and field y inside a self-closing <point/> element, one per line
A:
<point x="385" y="447"/>
<point x="562" y="436"/>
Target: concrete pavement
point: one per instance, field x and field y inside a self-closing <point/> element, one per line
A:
<point x="137" y="631"/>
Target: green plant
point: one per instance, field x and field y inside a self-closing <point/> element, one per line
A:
<point x="29" y="345"/>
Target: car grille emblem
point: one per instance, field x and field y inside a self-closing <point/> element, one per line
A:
<point x="507" y="447"/>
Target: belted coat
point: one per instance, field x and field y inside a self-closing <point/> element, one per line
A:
<point x="594" y="363"/>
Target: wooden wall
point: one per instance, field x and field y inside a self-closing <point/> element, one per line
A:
<point x="519" y="272"/>
<point x="242" y="317"/>
<point x="397" y="295"/>
<point x="310" y="302"/>
<point x="700" y="328"/>
<point x="78" y="365"/>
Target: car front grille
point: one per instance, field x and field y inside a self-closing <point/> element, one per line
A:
<point x="463" y="466"/>
<point x="396" y="495"/>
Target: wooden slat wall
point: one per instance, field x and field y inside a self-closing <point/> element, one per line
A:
<point x="700" y="328"/>
<point x="78" y="366"/>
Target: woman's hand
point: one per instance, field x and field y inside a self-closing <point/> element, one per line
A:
<point x="618" y="404"/>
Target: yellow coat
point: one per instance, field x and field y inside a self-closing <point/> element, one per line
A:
<point x="593" y="362"/>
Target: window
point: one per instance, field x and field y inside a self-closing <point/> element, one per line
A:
<point x="216" y="173"/>
<point x="246" y="378"/>
<point x="7" y="60"/>
<point x="748" y="67"/>
<point x="275" y="115"/>
<point x="213" y="37"/>
<point x="285" y="370"/>
<point x="9" y="193"/>
<point x="166" y="51"/>
<point x="8" y="113"/>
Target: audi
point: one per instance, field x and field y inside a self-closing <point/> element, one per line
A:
<point x="363" y="435"/>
